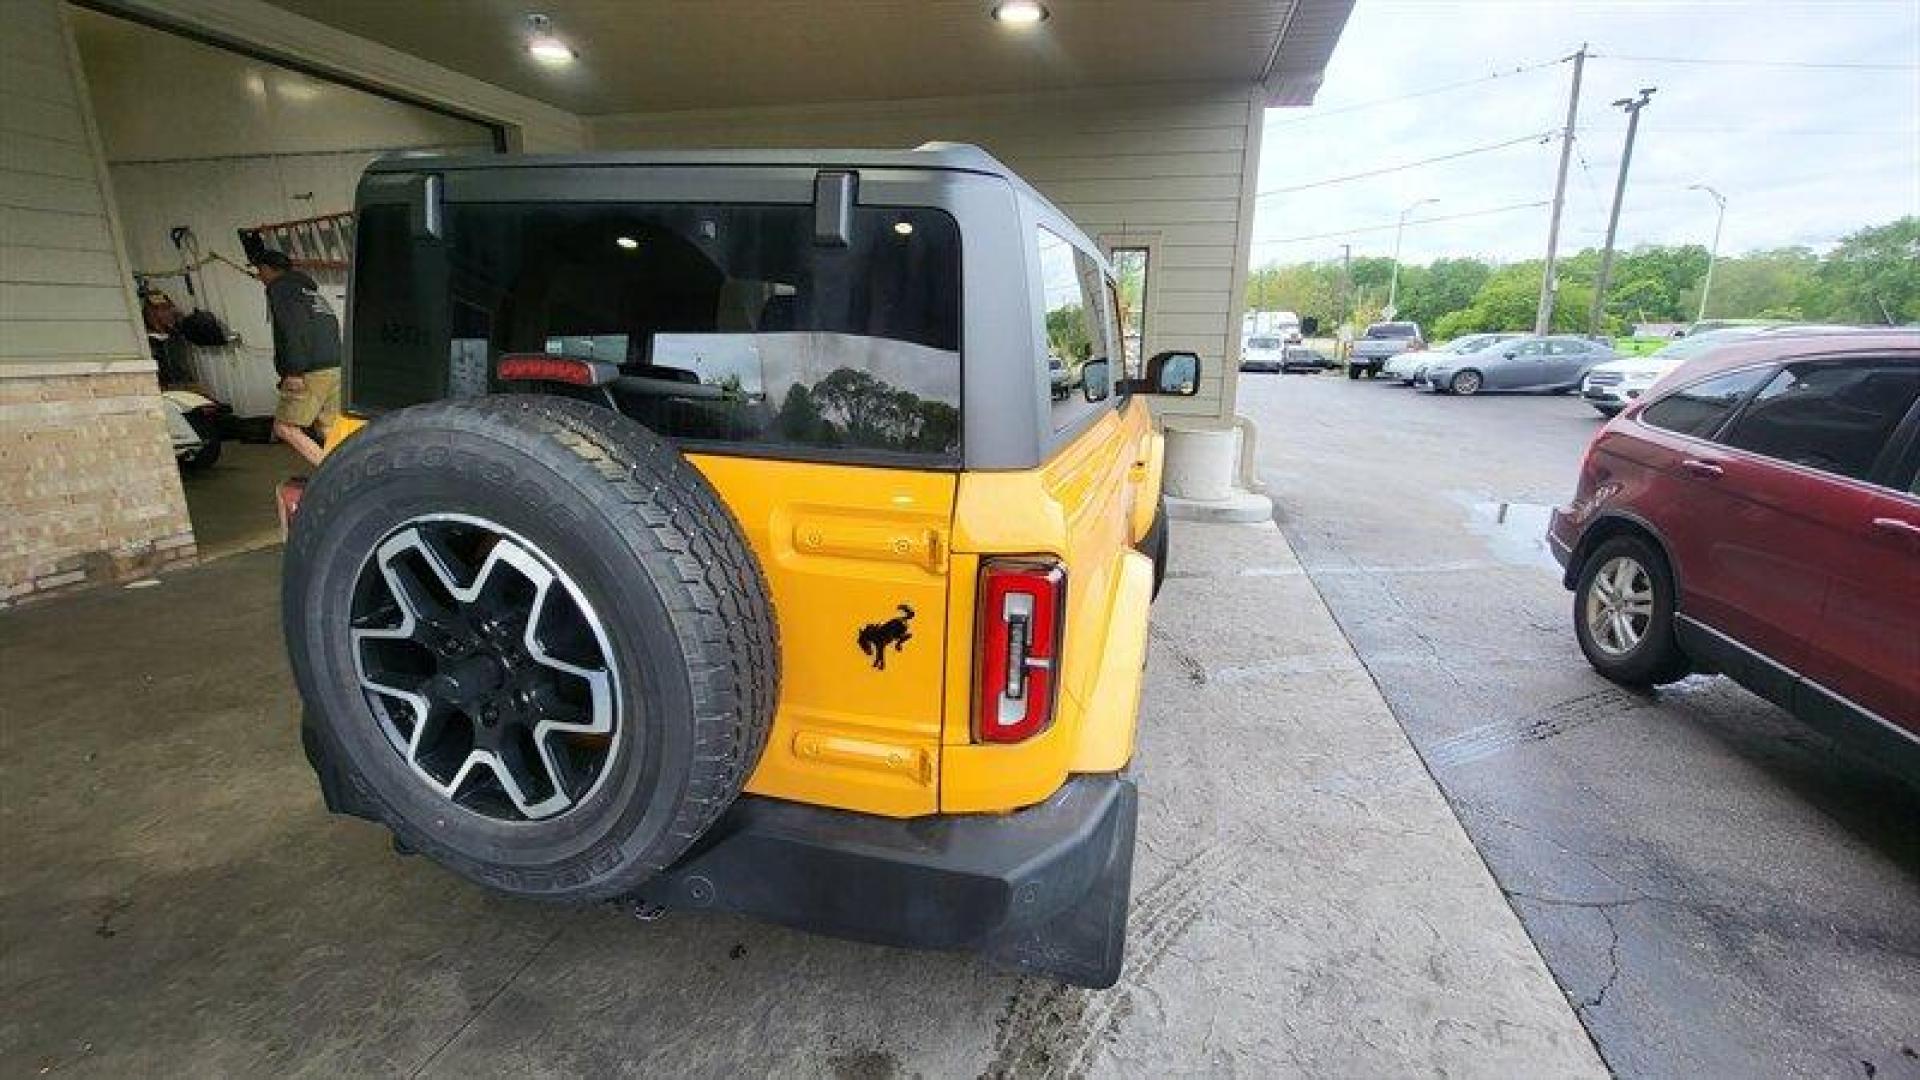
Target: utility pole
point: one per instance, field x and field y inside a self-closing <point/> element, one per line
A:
<point x="1346" y="282"/>
<point x="1346" y="301"/>
<point x="1632" y="107"/>
<point x="1393" y="285"/>
<point x="1713" y="253"/>
<point x="1549" y="290"/>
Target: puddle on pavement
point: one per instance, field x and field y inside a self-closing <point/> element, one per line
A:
<point x="1515" y="532"/>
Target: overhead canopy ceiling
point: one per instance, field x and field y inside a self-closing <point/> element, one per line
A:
<point x="652" y="56"/>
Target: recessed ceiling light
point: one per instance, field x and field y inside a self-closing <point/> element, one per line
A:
<point x="1020" y="12"/>
<point x="627" y="242"/>
<point x="545" y="47"/>
<point x="904" y="228"/>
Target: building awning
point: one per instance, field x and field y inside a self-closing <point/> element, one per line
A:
<point x="665" y="57"/>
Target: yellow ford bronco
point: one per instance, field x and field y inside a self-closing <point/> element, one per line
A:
<point x="763" y="532"/>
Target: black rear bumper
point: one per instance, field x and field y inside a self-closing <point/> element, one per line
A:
<point x="1043" y="889"/>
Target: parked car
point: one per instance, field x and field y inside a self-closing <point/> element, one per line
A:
<point x="1757" y="513"/>
<point x="1405" y="367"/>
<point x="1612" y="386"/>
<point x="1382" y="342"/>
<point x="1553" y="364"/>
<point x="1299" y="358"/>
<point x="1264" y="353"/>
<point x="729" y="596"/>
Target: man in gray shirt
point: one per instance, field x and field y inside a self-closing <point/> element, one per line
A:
<point x="306" y="354"/>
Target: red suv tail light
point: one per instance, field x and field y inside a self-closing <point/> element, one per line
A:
<point x="545" y="367"/>
<point x="1022" y="602"/>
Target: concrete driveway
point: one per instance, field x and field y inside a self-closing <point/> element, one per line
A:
<point x="1718" y="891"/>
<point x="177" y="903"/>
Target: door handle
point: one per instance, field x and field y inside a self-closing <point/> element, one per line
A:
<point x="1897" y="526"/>
<point x="1702" y="468"/>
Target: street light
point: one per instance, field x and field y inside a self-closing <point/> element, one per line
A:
<point x="1393" y="286"/>
<point x="1713" y="253"/>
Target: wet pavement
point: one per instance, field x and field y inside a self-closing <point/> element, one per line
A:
<point x="1716" y="889"/>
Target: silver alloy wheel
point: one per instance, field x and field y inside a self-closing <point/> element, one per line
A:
<point x="1619" y="605"/>
<point x="1466" y="383"/>
<point x="488" y="670"/>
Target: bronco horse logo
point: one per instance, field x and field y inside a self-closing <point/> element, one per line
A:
<point x="875" y="637"/>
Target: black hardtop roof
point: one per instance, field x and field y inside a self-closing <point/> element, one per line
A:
<point x="953" y="157"/>
<point x="943" y="156"/>
<point x="933" y="156"/>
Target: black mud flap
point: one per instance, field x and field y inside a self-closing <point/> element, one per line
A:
<point x="1043" y="890"/>
<point x="338" y="793"/>
<point x="1085" y="944"/>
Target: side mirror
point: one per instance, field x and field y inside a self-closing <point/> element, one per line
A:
<point x="1096" y="380"/>
<point x="1176" y="374"/>
<point x="1510" y="354"/>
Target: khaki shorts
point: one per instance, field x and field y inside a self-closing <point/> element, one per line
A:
<point x="315" y="404"/>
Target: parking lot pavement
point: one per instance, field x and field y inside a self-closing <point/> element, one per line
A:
<point x="1718" y="891"/>
<point x="177" y="902"/>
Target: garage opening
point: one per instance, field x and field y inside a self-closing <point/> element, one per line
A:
<point x="211" y="153"/>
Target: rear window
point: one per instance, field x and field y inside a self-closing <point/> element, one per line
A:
<point x="1390" y="330"/>
<point x="1263" y="343"/>
<point x="732" y="329"/>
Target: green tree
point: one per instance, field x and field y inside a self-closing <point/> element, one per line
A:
<point x="800" y="419"/>
<point x="1309" y="290"/>
<point x="1509" y="300"/>
<point x="1067" y="335"/>
<point x="1752" y="285"/>
<point x="1446" y="286"/>
<point x="1874" y="275"/>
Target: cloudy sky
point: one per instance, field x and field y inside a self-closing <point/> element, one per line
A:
<point x="1805" y="115"/>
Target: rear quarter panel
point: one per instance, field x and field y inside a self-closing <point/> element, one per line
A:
<point x="1087" y="507"/>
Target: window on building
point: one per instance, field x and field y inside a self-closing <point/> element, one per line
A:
<point x="1827" y="416"/>
<point x="1130" y="268"/>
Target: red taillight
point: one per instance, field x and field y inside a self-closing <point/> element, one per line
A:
<point x="1018" y="648"/>
<point x="544" y="367"/>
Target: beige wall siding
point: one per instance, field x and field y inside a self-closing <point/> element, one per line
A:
<point x="88" y="487"/>
<point x="1170" y="164"/>
<point x="63" y="287"/>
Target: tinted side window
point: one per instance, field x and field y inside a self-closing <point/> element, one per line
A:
<point x="1078" y="329"/>
<point x="1700" y="409"/>
<point x="1831" y="417"/>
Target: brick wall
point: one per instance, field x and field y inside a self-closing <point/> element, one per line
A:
<point x="88" y="487"/>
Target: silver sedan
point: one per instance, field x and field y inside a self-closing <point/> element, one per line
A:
<point x="1553" y="364"/>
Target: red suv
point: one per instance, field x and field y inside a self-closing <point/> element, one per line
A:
<point x="1757" y="513"/>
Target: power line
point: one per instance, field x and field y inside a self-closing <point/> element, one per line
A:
<point x="1415" y="221"/>
<point x="1692" y="130"/>
<point x="1443" y="88"/>
<point x="1714" y="62"/>
<point x="1536" y="137"/>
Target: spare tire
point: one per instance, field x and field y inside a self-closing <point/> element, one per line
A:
<point x="532" y="641"/>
